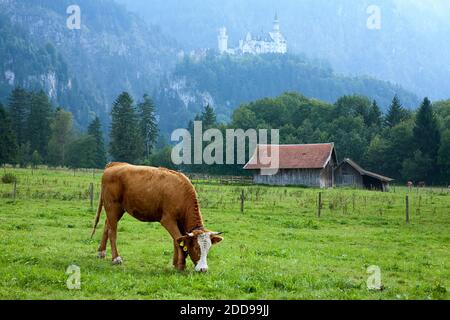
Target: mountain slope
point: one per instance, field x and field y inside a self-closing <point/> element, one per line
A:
<point x="410" y="49"/>
<point x="225" y="82"/>
<point x="112" y="52"/>
<point x="36" y="67"/>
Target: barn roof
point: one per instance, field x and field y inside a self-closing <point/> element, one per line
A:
<point x="300" y="156"/>
<point x="364" y="172"/>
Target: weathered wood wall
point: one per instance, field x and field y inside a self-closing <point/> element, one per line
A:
<point x="327" y="179"/>
<point x="346" y="175"/>
<point x="284" y="177"/>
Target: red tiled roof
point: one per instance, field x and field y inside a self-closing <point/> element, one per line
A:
<point x="301" y="156"/>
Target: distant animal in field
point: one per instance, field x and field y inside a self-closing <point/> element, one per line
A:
<point x="155" y="195"/>
<point x="422" y="184"/>
<point x="410" y="184"/>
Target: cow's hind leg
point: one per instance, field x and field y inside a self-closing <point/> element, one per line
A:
<point x="103" y="242"/>
<point x="114" y="214"/>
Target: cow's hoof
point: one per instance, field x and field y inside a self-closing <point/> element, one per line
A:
<point x="117" y="261"/>
<point x="101" y="254"/>
<point x="180" y="267"/>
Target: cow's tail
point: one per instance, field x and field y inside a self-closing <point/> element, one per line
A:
<point x="97" y="216"/>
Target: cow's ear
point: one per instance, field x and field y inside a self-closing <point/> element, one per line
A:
<point x="183" y="241"/>
<point x="216" y="239"/>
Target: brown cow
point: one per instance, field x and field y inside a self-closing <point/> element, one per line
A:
<point x="155" y="194"/>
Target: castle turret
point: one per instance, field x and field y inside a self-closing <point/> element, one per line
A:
<point x="276" y="24"/>
<point x="223" y="40"/>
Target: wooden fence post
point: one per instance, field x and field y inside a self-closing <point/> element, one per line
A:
<point x="242" y="201"/>
<point x="319" y="205"/>
<point x="14" y="190"/>
<point x="91" y="195"/>
<point x="407" y="209"/>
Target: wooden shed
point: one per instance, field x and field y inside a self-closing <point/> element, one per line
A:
<point x="309" y="165"/>
<point x="350" y="174"/>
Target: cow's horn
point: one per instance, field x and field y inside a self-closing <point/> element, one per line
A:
<point x="190" y="234"/>
<point x="216" y="233"/>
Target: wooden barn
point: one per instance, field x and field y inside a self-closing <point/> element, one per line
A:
<point x="309" y="165"/>
<point x="350" y="174"/>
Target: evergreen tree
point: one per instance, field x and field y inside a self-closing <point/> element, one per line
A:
<point x="396" y="113"/>
<point x="81" y="153"/>
<point x="426" y="130"/>
<point x="95" y="131"/>
<point x="38" y="123"/>
<point x="376" y="154"/>
<point x="60" y="137"/>
<point x="8" y="146"/>
<point x="19" y="108"/>
<point x="208" y="117"/>
<point x="375" y="115"/>
<point x="417" y="167"/>
<point x="148" y="125"/>
<point x="444" y="156"/>
<point x="35" y="159"/>
<point x="427" y="137"/>
<point x="24" y="155"/>
<point x="126" y="143"/>
<point x="162" y="158"/>
<point x="398" y="142"/>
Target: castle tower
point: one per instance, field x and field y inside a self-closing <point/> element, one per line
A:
<point x="223" y="40"/>
<point x="276" y="24"/>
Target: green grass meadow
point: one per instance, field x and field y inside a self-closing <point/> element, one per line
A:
<point x="277" y="249"/>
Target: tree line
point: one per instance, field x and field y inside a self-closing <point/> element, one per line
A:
<point x="33" y="132"/>
<point x="233" y="80"/>
<point x="402" y="144"/>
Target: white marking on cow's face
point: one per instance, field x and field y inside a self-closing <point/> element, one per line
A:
<point x="204" y="242"/>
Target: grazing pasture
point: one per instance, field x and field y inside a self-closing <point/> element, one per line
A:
<point x="277" y="248"/>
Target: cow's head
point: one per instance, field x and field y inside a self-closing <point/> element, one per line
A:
<point x="197" y="245"/>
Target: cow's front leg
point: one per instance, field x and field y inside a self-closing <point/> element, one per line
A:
<point x="179" y="260"/>
<point x="175" y="254"/>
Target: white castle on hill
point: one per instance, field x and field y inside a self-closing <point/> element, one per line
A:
<point x="274" y="42"/>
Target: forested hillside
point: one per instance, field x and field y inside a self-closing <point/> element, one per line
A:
<point x="410" y="48"/>
<point x="115" y="51"/>
<point x="225" y="82"/>
<point x="38" y="66"/>
<point x="82" y="70"/>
